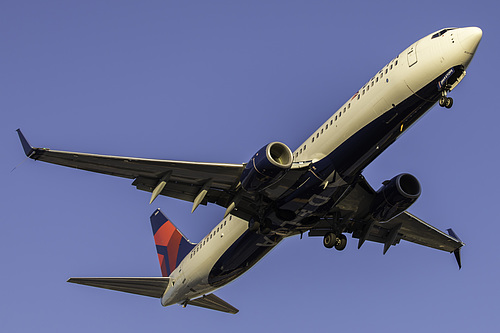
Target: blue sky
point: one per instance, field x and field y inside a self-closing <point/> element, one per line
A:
<point x="214" y="81"/>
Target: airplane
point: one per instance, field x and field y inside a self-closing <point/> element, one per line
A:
<point x="317" y="189"/>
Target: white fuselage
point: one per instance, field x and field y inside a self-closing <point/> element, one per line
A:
<point x="400" y="79"/>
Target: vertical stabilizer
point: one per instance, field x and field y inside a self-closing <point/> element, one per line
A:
<point x="171" y="245"/>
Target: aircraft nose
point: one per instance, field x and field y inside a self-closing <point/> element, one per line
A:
<point x="469" y="38"/>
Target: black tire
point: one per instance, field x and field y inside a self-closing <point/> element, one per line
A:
<point x="329" y="240"/>
<point x="442" y="101"/>
<point x="265" y="230"/>
<point x="449" y="103"/>
<point x="342" y="243"/>
<point x="254" y="226"/>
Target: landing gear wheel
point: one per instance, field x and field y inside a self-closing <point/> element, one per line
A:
<point x="442" y="101"/>
<point x="265" y="228"/>
<point x="341" y="243"/>
<point x="254" y="226"/>
<point x="449" y="102"/>
<point x="329" y="240"/>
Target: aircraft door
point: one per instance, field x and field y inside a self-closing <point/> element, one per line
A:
<point x="412" y="55"/>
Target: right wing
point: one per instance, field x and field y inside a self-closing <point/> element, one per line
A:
<point x="189" y="181"/>
<point x="196" y="182"/>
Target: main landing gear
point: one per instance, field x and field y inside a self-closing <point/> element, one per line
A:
<point x="331" y="240"/>
<point x="445" y="101"/>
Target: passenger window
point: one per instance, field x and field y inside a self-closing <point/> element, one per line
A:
<point x="386" y="70"/>
<point x="317" y="135"/>
<point x="396" y="63"/>
<point x="372" y="83"/>
<point x="376" y="80"/>
<point x="326" y="126"/>
<point x="335" y="118"/>
<point x="331" y="121"/>
<point x="363" y="91"/>
<point x="321" y="131"/>
<point x="225" y="222"/>
<point x="304" y="147"/>
<point x="367" y="88"/>
<point x="359" y="96"/>
<point x="349" y="105"/>
<point x="312" y="139"/>
<point x="340" y="114"/>
<point x="217" y="229"/>
<point x="391" y="67"/>
<point x="300" y="150"/>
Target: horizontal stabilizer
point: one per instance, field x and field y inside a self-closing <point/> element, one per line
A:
<point x="213" y="302"/>
<point x="145" y="286"/>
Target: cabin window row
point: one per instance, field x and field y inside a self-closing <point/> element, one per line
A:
<point x="209" y="237"/>
<point x="363" y="90"/>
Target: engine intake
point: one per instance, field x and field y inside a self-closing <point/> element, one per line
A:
<point x="266" y="167"/>
<point x="396" y="196"/>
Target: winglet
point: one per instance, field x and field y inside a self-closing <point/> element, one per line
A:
<point x="28" y="149"/>
<point x="457" y="251"/>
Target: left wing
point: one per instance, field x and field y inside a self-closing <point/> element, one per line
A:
<point x="190" y="181"/>
<point x="355" y="218"/>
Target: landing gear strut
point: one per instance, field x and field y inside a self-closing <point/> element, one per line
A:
<point x="331" y="240"/>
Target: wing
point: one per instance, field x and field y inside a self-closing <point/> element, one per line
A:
<point x="151" y="286"/>
<point x="412" y="229"/>
<point x="190" y="181"/>
<point x="354" y="211"/>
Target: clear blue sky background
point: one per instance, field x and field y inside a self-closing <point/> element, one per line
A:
<point x="214" y="81"/>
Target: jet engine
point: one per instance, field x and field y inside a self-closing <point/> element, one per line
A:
<point x="266" y="167"/>
<point x="394" y="197"/>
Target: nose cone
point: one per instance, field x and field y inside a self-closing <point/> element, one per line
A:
<point x="469" y="39"/>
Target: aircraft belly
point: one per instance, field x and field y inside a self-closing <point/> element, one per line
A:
<point x="315" y="193"/>
<point x="245" y="252"/>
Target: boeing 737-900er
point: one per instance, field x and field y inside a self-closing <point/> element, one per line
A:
<point x="317" y="189"/>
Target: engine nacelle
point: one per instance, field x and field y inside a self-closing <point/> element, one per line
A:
<point x="266" y="167"/>
<point x="396" y="196"/>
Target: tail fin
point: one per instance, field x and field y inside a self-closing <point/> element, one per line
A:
<point x="171" y="245"/>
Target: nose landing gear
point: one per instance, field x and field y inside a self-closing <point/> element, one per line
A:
<point x="445" y="101"/>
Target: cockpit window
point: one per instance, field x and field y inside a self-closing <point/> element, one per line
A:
<point x="442" y="32"/>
